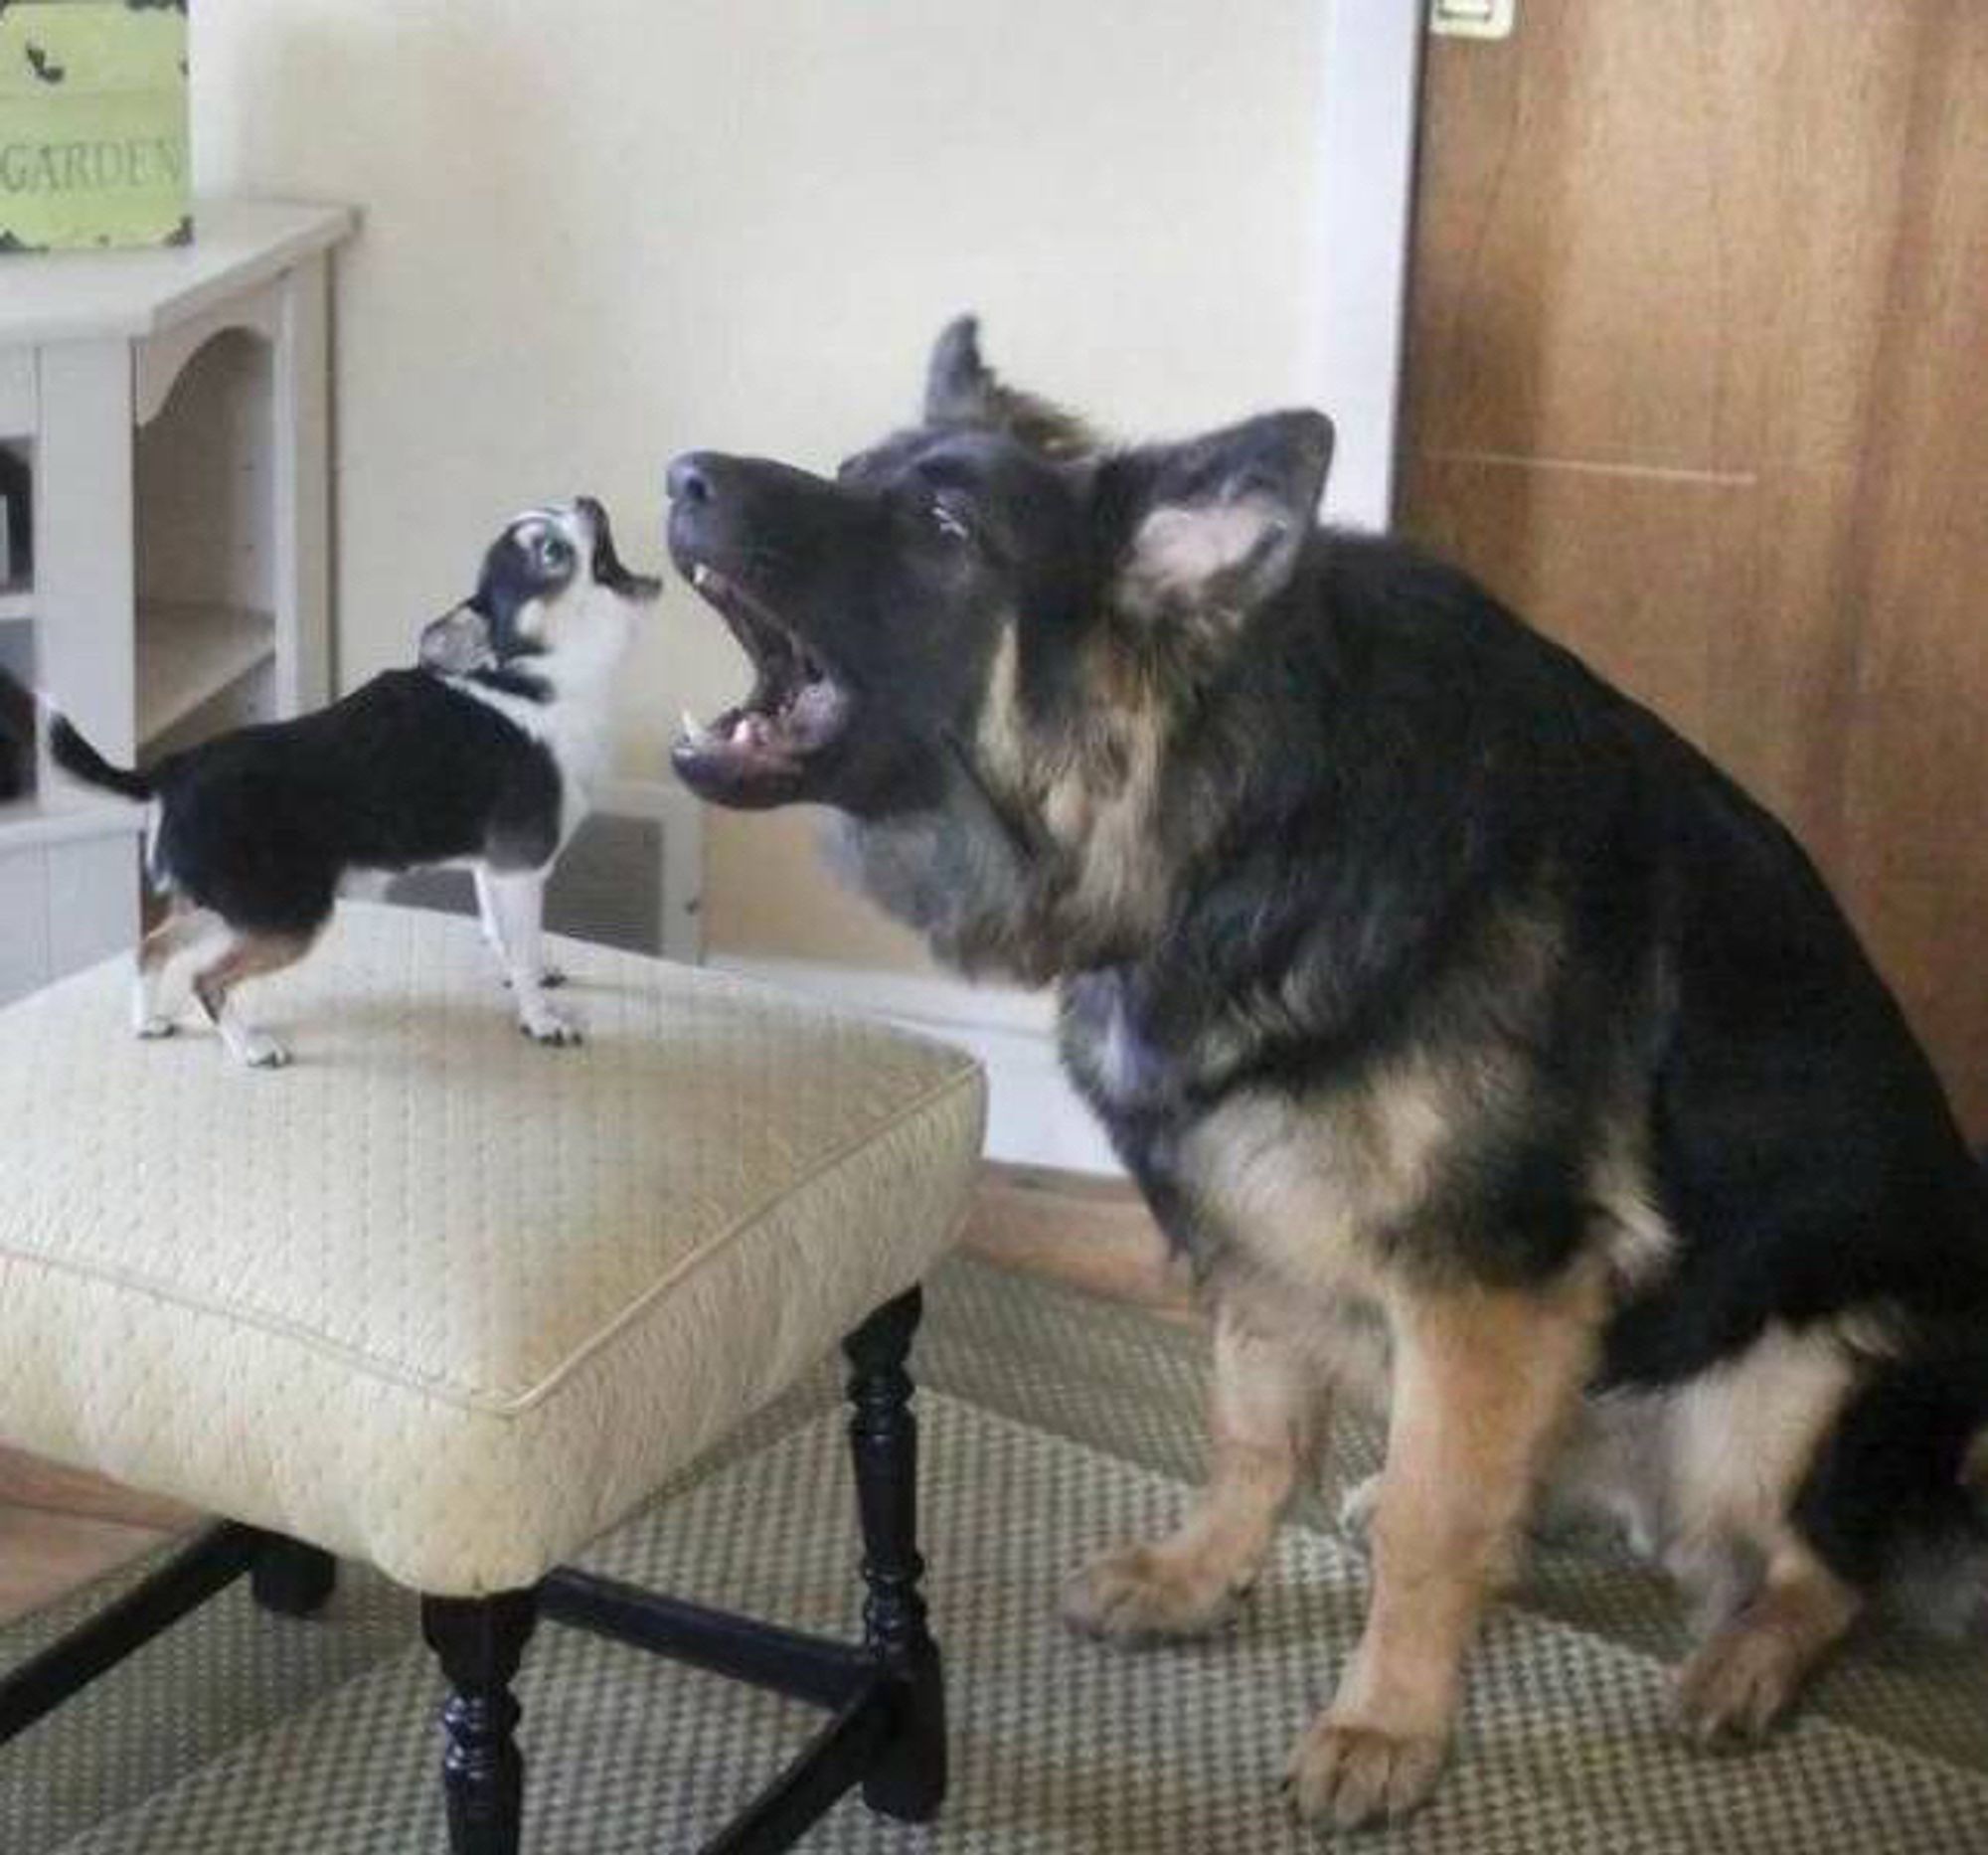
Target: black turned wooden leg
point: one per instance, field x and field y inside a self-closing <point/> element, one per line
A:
<point x="480" y="1643"/>
<point x="908" y="1781"/>
<point x="293" y="1579"/>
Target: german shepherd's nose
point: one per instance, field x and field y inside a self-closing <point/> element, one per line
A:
<point x="720" y="503"/>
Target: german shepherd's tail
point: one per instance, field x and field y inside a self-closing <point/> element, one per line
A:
<point x="76" y="757"/>
<point x="1938" y="1573"/>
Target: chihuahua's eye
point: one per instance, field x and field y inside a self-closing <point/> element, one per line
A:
<point x="555" y="553"/>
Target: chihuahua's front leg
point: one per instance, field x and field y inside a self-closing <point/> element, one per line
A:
<point x="513" y="903"/>
<point x="486" y="913"/>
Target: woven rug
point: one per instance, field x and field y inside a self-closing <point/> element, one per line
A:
<point x="1051" y="1424"/>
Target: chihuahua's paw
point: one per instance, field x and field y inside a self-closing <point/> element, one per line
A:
<point x="545" y="1026"/>
<point x="260" y="1051"/>
<point x="152" y="1029"/>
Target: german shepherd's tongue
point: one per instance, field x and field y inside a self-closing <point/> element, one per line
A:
<point x="796" y="709"/>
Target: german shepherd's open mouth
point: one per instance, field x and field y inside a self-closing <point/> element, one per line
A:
<point x="756" y="752"/>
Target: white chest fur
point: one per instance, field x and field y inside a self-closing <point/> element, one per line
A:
<point x="574" y="727"/>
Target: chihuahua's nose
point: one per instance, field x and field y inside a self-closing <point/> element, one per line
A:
<point x="690" y="478"/>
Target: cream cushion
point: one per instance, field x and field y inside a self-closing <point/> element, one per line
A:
<point x="438" y="1296"/>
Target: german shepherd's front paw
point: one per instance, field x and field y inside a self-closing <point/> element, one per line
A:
<point x="1139" y="1592"/>
<point x="545" y="1026"/>
<point x="1353" y="1776"/>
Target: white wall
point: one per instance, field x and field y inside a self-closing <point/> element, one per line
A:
<point x="600" y="232"/>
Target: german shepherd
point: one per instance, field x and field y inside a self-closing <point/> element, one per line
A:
<point x="1489" y="1053"/>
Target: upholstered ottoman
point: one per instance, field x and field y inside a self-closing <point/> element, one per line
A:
<point x="446" y="1301"/>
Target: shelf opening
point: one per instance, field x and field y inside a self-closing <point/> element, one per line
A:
<point x="206" y="577"/>
<point x="17" y="526"/>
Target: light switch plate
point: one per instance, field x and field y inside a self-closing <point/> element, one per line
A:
<point x="1472" y="19"/>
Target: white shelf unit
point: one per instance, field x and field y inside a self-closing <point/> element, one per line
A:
<point x="188" y="654"/>
<point x="172" y="408"/>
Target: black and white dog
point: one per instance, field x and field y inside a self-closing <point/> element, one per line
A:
<point x="485" y="754"/>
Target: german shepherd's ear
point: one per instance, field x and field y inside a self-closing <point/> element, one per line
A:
<point x="962" y="389"/>
<point x="1214" y="527"/>
<point x="457" y="643"/>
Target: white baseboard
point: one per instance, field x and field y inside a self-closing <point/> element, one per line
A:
<point x="1033" y="1117"/>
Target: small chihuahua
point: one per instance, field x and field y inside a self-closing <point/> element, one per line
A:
<point x="483" y="755"/>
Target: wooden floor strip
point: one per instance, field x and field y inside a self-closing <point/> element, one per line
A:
<point x="59" y="1527"/>
<point x="44" y="1555"/>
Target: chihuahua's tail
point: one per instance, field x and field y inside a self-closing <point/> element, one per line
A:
<point x="76" y="757"/>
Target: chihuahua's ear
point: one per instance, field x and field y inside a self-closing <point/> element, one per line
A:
<point x="457" y="643"/>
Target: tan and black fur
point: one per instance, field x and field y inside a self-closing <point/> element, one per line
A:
<point x="1492" y="1057"/>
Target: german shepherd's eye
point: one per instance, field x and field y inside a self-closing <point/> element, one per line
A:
<point x="947" y="517"/>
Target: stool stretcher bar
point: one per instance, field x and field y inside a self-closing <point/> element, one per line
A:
<point x="800" y="1666"/>
<point x="184" y="1582"/>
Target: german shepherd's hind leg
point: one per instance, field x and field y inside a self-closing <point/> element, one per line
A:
<point x="247" y="957"/>
<point x="1267" y="1415"/>
<point x="1745" y="1676"/>
<point x="515" y="902"/>
<point x="1484" y="1382"/>
<point x="182" y="926"/>
<point x="1744" y="1438"/>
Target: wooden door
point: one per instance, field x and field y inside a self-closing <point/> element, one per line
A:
<point x="1698" y="379"/>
